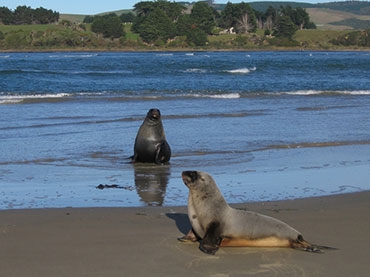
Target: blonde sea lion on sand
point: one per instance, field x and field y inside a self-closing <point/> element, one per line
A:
<point x="150" y="143"/>
<point x="216" y="224"/>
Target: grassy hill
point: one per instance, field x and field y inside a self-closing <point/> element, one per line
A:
<point x="356" y="7"/>
<point x="262" y="6"/>
<point x="329" y="19"/>
<point x="78" y="18"/>
<point x="75" y="18"/>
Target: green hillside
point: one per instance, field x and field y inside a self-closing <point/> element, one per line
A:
<point x="262" y="6"/>
<point x="356" y="7"/>
<point x="329" y="19"/>
<point x="334" y="31"/>
<point x="75" y="18"/>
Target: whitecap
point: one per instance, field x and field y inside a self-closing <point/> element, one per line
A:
<point x="318" y="92"/>
<point x="13" y="99"/>
<point x="72" y="55"/>
<point x="358" y="92"/>
<point x="216" y="96"/>
<point x="164" y="54"/>
<point x="226" y="96"/>
<point x="195" y="70"/>
<point x="304" y="92"/>
<point x="241" y="70"/>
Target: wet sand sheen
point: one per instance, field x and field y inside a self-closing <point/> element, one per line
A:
<point x="243" y="176"/>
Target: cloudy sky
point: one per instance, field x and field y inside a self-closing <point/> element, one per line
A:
<point x="95" y="6"/>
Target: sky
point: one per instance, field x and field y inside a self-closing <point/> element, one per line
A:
<point x="95" y="6"/>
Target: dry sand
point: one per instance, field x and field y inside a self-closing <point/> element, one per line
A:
<point x="142" y="241"/>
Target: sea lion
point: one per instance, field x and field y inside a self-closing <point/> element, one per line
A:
<point x="150" y="143"/>
<point x="216" y="224"/>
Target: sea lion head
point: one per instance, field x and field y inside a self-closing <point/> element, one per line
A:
<point x="202" y="185"/>
<point x="154" y="115"/>
<point x="192" y="179"/>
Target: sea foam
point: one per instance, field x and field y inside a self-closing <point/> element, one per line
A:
<point x="13" y="99"/>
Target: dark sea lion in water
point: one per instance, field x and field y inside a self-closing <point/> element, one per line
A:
<point x="216" y="224"/>
<point x="150" y="143"/>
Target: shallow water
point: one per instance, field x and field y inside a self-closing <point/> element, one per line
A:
<point x="266" y="125"/>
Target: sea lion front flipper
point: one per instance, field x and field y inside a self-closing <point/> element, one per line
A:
<point x="189" y="237"/>
<point x="163" y="153"/>
<point x="211" y="239"/>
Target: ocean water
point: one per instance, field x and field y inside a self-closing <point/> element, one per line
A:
<point x="265" y="125"/>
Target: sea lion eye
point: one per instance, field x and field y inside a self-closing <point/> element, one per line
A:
<point x="193" y="175"/>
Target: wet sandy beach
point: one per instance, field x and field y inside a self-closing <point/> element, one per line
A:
<point x="143" y="241"/>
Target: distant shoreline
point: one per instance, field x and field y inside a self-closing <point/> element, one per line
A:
<point x="184" y="50"/>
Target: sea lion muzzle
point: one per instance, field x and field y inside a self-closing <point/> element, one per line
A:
<point x="193" y="175"/>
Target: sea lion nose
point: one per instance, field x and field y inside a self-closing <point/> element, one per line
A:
<point x="154" y="113"/>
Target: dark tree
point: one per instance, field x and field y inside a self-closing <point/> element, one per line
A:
<point x="203" y="16"/>
<point x="109" y="25"/>
<point x="285" y="27"/>
<point x="88" y="19"/>
<point x="44" y="16"/>
<point x="240" y="16"/>
<point x="6" y="16"/>
<point x="156" y="20"/>
<point x="23" y="15"/>
<point x="186" y="26"/>
<point x="127" y="17"/>
<point x="272" y="15"/>
<point x="299" y="17"/>
<point x="27" y="15"/>
<point x="156" y="26"/>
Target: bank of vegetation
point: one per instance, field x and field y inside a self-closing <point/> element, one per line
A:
<point x="164" y="25"/>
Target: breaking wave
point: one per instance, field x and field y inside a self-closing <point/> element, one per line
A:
<point x="13" y="99"/>
<point x="321" y="92"/>
<point x="21" y="98"/>
<point x="241" y="70"/>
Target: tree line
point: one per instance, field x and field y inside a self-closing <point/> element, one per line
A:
<point x="109" y="25"/>
<point x="26" y="15"/>
<point x="162" y="20"/>
<point x="158" y="22"/>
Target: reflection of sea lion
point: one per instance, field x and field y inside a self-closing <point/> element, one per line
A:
<point x="151" y="182"/>
<point x="217" y="224"/>
<point x="150" y="143"/>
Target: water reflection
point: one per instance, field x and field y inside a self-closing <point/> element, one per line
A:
<point x="151" y="182"/>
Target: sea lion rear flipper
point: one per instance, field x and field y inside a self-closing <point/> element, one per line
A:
<point x="211" y="239"/>
<point x="132" y="158"/>
<point x="301" y="244"/>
